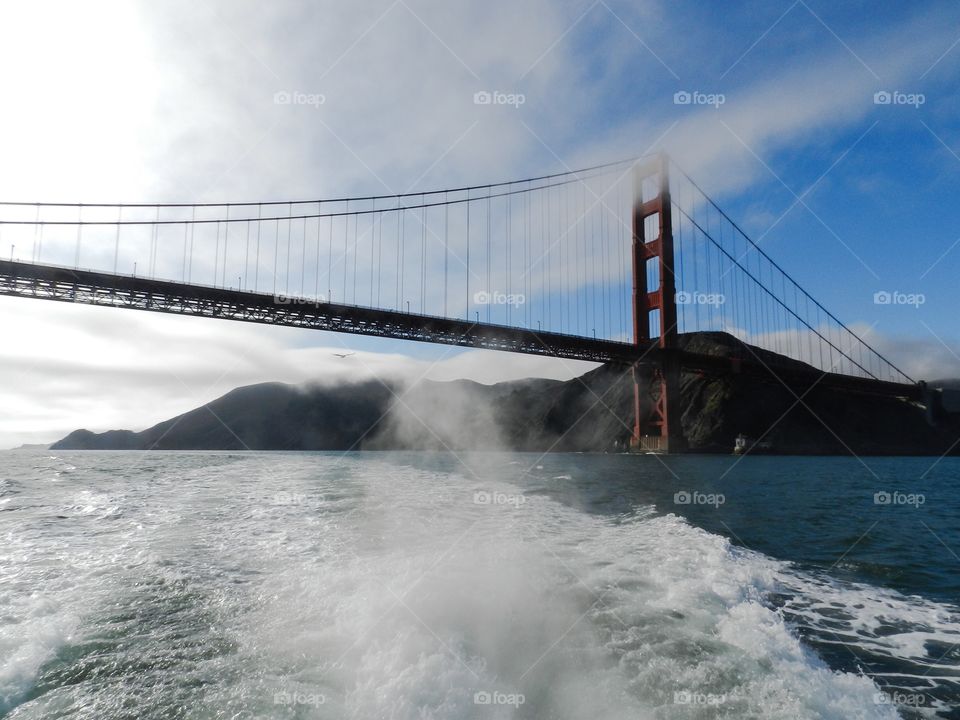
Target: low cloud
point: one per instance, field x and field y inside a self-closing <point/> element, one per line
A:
<point x="77" y="366"/>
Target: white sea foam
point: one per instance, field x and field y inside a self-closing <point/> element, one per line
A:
<point x="384" y="590"/>
<point x="437" y="600"/>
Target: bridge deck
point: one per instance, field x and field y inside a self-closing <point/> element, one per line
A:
<point x="51" y="282"/>
<point x="96" y="288"/>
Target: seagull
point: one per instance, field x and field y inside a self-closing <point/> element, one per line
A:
<point x="344" y="355"/>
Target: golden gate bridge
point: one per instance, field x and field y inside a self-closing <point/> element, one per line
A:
<point x="626" y="262"/>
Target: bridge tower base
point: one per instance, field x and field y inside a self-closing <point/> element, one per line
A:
<point x="655" y="399"/>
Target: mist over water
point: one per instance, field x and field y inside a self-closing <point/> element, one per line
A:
<point x="414" y="585"/>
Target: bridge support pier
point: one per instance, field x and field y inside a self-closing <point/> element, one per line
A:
<point x="656" y="399"/>
<point x="656" y="422"/>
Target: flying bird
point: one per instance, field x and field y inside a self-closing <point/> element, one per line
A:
<point x="344" y="355"/>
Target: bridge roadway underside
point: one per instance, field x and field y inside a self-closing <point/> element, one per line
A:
<point x="50" y="282"/>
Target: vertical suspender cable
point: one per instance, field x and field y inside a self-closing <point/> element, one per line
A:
<point x="303" y="260"/>
<point x="76" y="259"/>
<point x="216" y="257"/>
<point x="373" y="230"/>
<point x="467" y="311"/>
<point x="276" y="250"/>
<point x="565" y="261"/>
<point x="509" y="233"/>
<point x="446" y="251"/>
<point x="316" y="287"/>
<point x="36" y="230"/>
<point x="183" y="271"/>
<point x="396" y="262"/>
<point x="286" y="277"/>
<point x="246" y="260"/>
<point x="356" y="230"/>
<point x="343" y="259"/>
<point x="156" y="245"/>
<point x="526" y="254"/>
<point x="379" y="255"/>
<point x="193" y="230"/>
<point x="489" y="287"/>
<point x="256" y="265"/>
<point x="330" y="261"/>
<point x="116" y="242"/>
<point x="401" y="253"/>
<point x="423" y="257"/>
<point x="548" y="251"/>
<point x="620" y="261"/>
<point x="226" y="245"/>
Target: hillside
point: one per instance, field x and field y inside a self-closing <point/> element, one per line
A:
<point x="589" y="413"/>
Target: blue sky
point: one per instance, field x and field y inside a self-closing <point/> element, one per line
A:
<point x="173" y="101"/>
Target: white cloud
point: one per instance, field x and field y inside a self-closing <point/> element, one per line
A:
<point x="800" y="100"/>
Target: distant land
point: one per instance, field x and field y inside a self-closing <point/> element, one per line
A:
<point x="589" y="413"/>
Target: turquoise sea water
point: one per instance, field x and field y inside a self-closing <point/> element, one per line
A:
<point x="495" y="585"/>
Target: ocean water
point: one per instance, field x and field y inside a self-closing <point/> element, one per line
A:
<point x="426" y="585"/>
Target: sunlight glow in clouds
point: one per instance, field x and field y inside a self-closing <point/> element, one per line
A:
<point x="78" y="88"/>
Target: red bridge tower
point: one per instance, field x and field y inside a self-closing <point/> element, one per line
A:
<point x="656" y="399"/>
